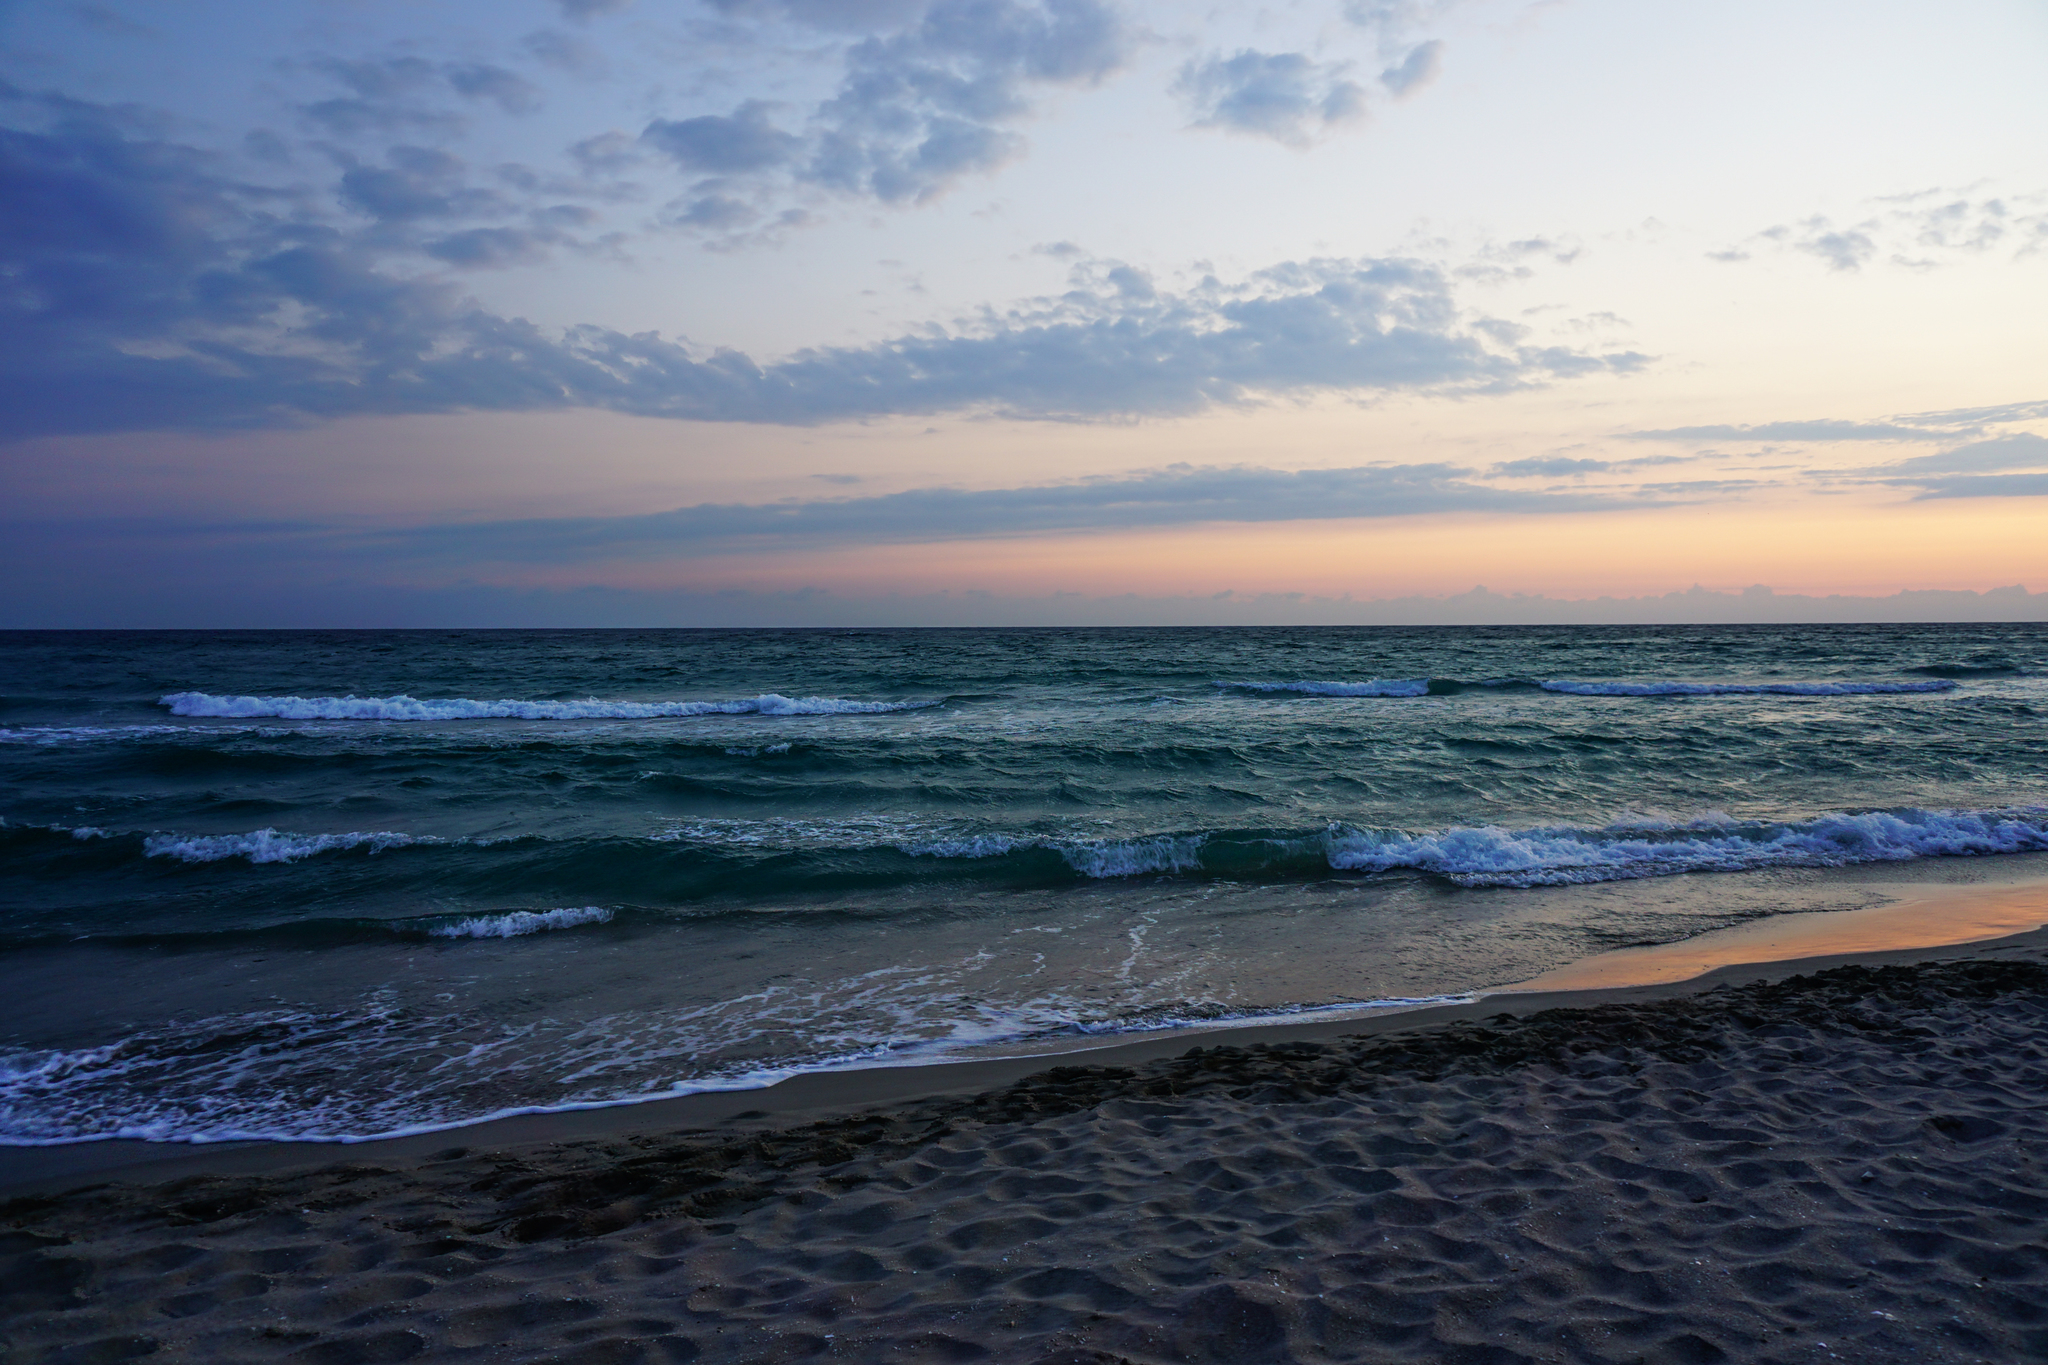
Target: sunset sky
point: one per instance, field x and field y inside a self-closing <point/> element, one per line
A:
<point x="558" y="312"/>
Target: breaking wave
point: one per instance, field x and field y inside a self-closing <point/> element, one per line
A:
<point x="1092" y="858"/>
<point x="1714" y="689"/>
<point x="462" y="708"/>
<point x="1373" y="687"/>
<point x="519" y="923"/>
<point x="1491" y="856"/>
<point x="1488" y="855"/>
<point x="268" y="845"/>
<point x="1441" y="687"/>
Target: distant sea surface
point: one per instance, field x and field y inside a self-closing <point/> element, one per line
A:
<point x="347" y="884"/>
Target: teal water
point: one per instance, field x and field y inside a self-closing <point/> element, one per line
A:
<point x="348" y="883"/>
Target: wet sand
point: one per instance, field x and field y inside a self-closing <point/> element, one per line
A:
<point x="1832" y="1158"/>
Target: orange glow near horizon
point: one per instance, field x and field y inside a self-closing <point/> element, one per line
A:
<point x="1815" y="546"/>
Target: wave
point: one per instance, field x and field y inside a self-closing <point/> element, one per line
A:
<point x="519" y="923"/>
<point x="1557" y="855"/>
<point x="462" y="708"/>
<point x="1099" y="858"/>
<point x="1441" y="687"/>
<point x="83" y="734"/>
<point x="1475" y="855"/>
<point x="266" y="845"/>
<point x="1374" y="687"/>
<point x="1710" y="689"/>
<point x="1969" y="670"/>
<point x="270" y="1075"/>
<point x="1489" y="855"/>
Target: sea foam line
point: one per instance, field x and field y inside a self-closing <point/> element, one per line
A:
<point x="140" y="1096"/>
<point x="463" y="708"/>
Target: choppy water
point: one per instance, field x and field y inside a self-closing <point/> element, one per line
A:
<point x="351" y="883"/>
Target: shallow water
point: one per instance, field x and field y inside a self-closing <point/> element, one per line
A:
<point x="348" y="883"/>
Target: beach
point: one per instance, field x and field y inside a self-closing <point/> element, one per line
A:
<point x="1827" y="1158"/>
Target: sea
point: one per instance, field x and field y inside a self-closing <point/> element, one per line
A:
<point x="351" y="884"/>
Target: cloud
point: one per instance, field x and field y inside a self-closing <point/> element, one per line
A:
<point x="1540" y="467"/>
<point x="1961" y="472"/>
<point x="418" y="182"/>
<point x="1918" y="231"/>
<point x="150" y="291"/>
<point x="929" y="94"/>
<point x="1174" y="496"/>
<point x="512" y="93"/>
<point x="2020" y="450"/>
<point x="745" y="141"/>
<point x="1280" y="95"/>
<point x="843" y="16"/>
<point x="1981" y="486"/>
<point x="1974" y="417"/>
<point x="492" y="248"/>
<point x="1825" y="429"/>
<point x="562" y="51"/>
<point x="585" y="10"/>
<point x="1416" y="70"/>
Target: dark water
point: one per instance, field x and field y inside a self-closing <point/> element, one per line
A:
<point x="351" y="883"/>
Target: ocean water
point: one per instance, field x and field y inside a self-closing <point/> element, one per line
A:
<point x="348" y="884"/>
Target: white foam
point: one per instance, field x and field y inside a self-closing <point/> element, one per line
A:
<point x="267" y="1076"/>
<point x="974" y="846"/>
<point x="1373" y="687"/>
<point x="1700" y="689"/>
<point x="462" y="708"/>
<point x="1101" y="858"/>
<point x="1492" y="856"/>
<point x="84" y="734"/>
<point x="1135" y="857"/>
<point x="268" y="845"/>
<point x="518" y="923"/>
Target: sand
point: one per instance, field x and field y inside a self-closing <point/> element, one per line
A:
<point x="1764" y="1164"/>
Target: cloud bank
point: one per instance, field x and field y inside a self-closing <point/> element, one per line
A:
<point x="1176" y="496"/>
<point x="149" y="289"/>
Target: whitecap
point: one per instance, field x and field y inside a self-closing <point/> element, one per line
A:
<point x="1714" y="689"/>
<point x="1556" y="855"/>
<point x="404" y="708"/>
<point x="1372" y="687"/>
<point x="269" y="845"/>
<point x="519" y="923"/>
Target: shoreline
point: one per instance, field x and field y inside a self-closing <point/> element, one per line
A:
<point x="1988" y="920"/>
<point x="1831" y="1157"/>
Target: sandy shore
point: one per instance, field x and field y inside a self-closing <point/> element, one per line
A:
<point x="1787" y="1162"/>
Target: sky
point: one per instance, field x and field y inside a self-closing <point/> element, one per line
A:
<point x="895" y="312"/>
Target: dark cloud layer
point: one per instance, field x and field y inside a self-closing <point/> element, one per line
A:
<point x="147" y="289"/>
<point x="1175" y="496"/>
